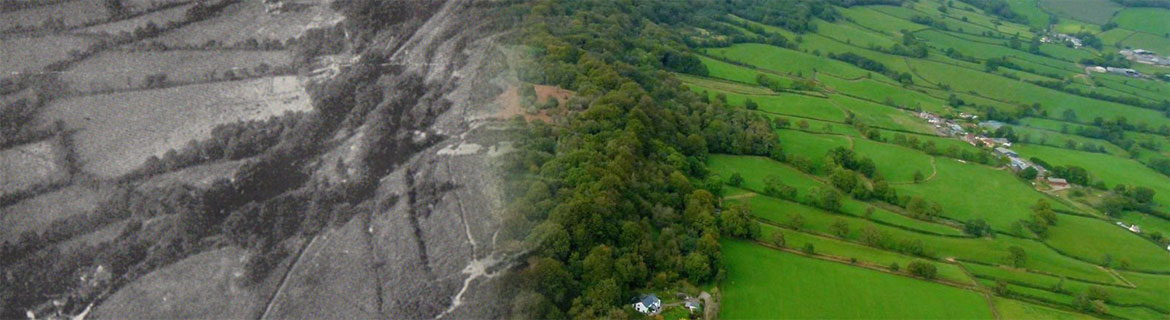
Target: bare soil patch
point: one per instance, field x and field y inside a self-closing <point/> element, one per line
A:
<point x="513" y="105"/>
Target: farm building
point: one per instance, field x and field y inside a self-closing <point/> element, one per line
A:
<point x="1006" y="152"/>
<point x="692" y="305"/>
<point x="991" y="125"/>
<point x="1124" y="71"/>
<point x="1057" y="183"/>
<point x="648" y="304"/>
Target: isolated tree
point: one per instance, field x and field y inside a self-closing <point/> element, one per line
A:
<point x="840" y="228"/>
<point x="736" y="179"/>
<point x="918" y="177"/>
<point x="1017" y="257"/>
<point x="778" y="239"/>
<point x="922" y="269"/>
<point x="1042" y="213"/>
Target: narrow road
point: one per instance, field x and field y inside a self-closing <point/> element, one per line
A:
<point x="710" y="307"/>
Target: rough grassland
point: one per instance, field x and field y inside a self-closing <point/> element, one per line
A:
<point x="1110" y="169"/>
<point x="27" y="166"/>
<point x="118" y="131"/>
<point x="120" y="70"/>
<point x="765" y="283"/>
<point x="1155" y="21"/>
<point x="206" y="285"/>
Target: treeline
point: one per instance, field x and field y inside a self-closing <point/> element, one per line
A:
<point x="998" y="8"/>
<point x="1144" y="3"/>
<point x="617" y="197"/>
<point x="872" y="65"/>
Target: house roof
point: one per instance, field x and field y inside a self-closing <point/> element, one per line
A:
<point x="649" y="299"/>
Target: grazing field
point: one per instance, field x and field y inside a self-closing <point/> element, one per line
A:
<point x="71" y="13"/>
<point x="765" y="283"/>
<point x="1030" y="9"/>
<point x="1092" y="11"/>
<point x="961" y="189"/>
<point x="28" y="166"/>
<point x="1149" y="20"/>
<point x="115" y="137"/>
<point x="785" y="61"/>
<point x="896" y="163"/>
<point x="33" y="54"/>
<point x="206" y="285"/>
<point x="1159" y="44"/>
<point x="122" y="70"/>
<point x="731" y="72"/>
<point x="1109" y="242"/>
<point x="158" y="18"/>
<point x="249" y="20"/>
<point x="1015" y="309"/>
<point x="1110" y="169"/>
<point x="35" y="214"/>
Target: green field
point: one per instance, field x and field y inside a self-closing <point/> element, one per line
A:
<point x="1074" y="249"/>
<point x="1110" y="169"/>
<point x="1149" y="20"/>
<point x="764" y="283"/>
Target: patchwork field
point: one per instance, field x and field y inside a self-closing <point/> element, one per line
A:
<point x="159" y="120"/>
<point x="122" y="70"/>
<point x="249" y="20"/>
<point x="764" y="283"/>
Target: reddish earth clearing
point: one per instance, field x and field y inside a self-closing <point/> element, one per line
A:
<point x="513" y="104"/>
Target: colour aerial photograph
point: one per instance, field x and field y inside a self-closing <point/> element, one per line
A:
<point x="585" y="159"/>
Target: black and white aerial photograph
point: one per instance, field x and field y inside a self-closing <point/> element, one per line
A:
<point x="585" y="159"/>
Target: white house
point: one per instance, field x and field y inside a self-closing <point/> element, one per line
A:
<point x="1135" y="229"/>
<point x="648" y="304"/>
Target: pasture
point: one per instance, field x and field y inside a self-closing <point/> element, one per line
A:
<point x="249" y="20"/>
<point x="71" y="13"/>
<point x="159" y="18"/>
<point x="1111" y="170"/>
<point x="32" y="54"/>
<point x="1148" y="20"/>
<point x="765" y="283"/>
<point x="961" y="189"/>
<point x="123" y="70"/>
<point x="27" y="166"/>
<point x="36" y="213"/>
<point x="1092" y="11"/>
<point x="115" y="137"/>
